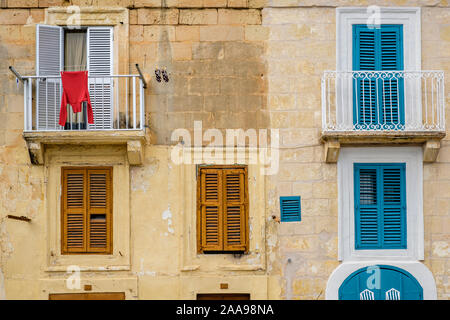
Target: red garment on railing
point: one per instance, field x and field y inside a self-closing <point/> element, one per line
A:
<point x="75" y="91"/>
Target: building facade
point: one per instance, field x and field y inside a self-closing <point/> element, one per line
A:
<point x="231" y="148"/>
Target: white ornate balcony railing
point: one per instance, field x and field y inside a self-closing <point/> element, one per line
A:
<point x="383" y="101"/>
<point x="117" y="103"/>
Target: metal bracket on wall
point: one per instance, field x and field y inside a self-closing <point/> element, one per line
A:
<point x="21" y="218"/>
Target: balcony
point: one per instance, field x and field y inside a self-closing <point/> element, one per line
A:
<point x="118" y="108"/>
<point x="383" y="107"/>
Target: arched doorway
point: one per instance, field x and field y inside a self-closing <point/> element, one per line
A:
<point x="380" y="282"/>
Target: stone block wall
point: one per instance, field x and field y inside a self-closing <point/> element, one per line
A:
<point x="216" y="65"/>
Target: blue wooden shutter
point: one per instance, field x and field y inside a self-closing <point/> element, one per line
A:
<point x="290" y="209"/>
<point x="365" y="58"/>
<point x="367" y="227"/>
<point x="394" y="207"/>
<point x="380" y="206"/>
<point x="391" y="58"/>
<point x="378" y="103"/>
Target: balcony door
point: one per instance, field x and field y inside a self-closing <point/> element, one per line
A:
<point x="61" y="49"/>
<point x="378" y="95"/>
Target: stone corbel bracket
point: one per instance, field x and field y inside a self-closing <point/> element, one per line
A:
<point x="430" y="142"/>
<point x="135" y="151"/>
<point x="133" y="139"/>
<point x="36" y="151"/>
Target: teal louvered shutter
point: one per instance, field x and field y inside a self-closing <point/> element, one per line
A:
<point x="394" y="207"/>
<point x="49" y="62"/>
<point x="366" y="208"/>
<point x="380" y="206"/>
<point x="391" y="59"/>
<point x="290" y="209"/>
<point x="100" y="66"/>
<point x="378" y="102"/>
<point x="365" y="58"/>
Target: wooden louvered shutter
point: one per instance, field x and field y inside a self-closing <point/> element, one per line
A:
<point x="99" y="210"/>
<point x="87" y="210"/>
<point x="100" y="63"/>
<point x="234" y="207"/>
<point x="211" y="227"/>
<point x="222" y="216"/>
<point x="74" y="211"/>
<point x="380" y="206"/>
<point x="49" y="62"/>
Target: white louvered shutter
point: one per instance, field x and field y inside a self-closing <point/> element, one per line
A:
<point x="49" y="62"/>
<point x="100" y="63"/>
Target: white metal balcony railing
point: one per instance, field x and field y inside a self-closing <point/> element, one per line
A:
<point x="117" y="103"/>
<point x="383" y="101"/>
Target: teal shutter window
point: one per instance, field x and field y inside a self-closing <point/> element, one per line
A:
<point x="380" y="206"/>
<point x="290" y="209"/>
<point x="395" y="284"/>
<point x="378" y="101"/>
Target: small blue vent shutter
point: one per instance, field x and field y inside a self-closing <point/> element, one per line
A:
<point x="375" y="101"/>
<point x="290" y="209"/>
<point x="380" y="206"/>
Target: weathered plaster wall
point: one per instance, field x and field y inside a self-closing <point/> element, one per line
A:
<point x="231" y="65"/>
<point x="220" y="74"/>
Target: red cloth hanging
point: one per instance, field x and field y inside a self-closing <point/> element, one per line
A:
<point x="75" y="91"/>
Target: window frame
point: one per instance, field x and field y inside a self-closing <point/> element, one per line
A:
<point x="200" y="248"/>
<point x="379" y="185"/>
<point x="109" y="214"/>
<point x="410" y="19"/>
<point x="108" y="82"/>
<point x="413" y="157"/>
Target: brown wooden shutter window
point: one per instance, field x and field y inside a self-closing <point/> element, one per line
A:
<point x="222" y="218"/>
<point x="86" y="210"/>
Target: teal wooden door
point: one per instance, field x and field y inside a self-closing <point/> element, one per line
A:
<point x="380" y="282"/>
